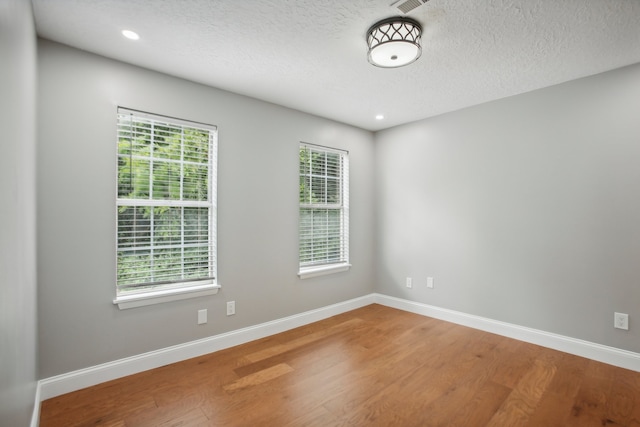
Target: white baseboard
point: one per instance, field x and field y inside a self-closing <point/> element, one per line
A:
<point x="602" y="353"/>
<point x="76" y="380"/>
<point x="82" y="378"/>
<point x="35" y="415"/>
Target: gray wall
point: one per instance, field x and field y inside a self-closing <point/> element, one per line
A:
<point x="17" y="213"/>
<point x="257" y="214"/>
<point x="524" y="210"/>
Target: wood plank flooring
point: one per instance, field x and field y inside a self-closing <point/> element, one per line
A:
<point x="375" y="366"/>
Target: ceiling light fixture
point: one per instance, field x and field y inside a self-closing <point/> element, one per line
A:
<point x="379" y="116"/>
<point x="394" y="42"/>
<point x="131" y="35"/>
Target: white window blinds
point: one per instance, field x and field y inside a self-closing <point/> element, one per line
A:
<point x="165" y="203"/>
<point x="324" y="206"/>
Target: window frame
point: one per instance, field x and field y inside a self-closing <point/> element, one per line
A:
<point x="316" y="268"/>
<point x="174" y="289"/>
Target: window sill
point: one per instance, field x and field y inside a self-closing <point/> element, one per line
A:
<point x="308" y="272"/>
<point x="158" y="297"/>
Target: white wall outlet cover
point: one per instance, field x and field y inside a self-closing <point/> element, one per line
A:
<point x="429" y="282"/>
<point x="621" y="321"/>
<point x="231" y="308"/>
<point x="202" y="316"/>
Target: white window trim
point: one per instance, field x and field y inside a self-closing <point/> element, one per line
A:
<point x="147" y="297"/>
<point x="166" y="295"/>
<point x="322" y="270"/>
<point x="307" y="272"/>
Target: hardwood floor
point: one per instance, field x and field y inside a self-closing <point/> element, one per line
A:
<point x="375" y="366"/>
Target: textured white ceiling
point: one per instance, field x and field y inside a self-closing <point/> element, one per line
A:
<point x="311" y="54"/>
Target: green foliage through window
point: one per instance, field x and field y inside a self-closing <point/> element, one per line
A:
<point x="165" y="203"/>
<point x="323" y="227"/>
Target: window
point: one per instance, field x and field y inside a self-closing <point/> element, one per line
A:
<point x="324" y="210"/>
<point x="166" y="208"/>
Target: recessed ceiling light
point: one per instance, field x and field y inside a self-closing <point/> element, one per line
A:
<point x="379" y="116"/>
<point x="131" y="35"/>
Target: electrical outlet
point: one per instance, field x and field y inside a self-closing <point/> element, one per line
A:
<point x="621" y="321"/>
<point x="202" y="316"/>
<point x="409" y="282"/>
<point x="430" y="282"/>
<point x="231" y="308"/>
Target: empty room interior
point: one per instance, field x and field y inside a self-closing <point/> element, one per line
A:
<point x="287" y="213"/>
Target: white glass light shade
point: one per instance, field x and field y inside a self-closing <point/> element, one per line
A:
<point x="394" y="42"/>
